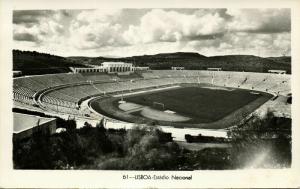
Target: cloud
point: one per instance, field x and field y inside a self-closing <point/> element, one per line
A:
<point x="42" y="32"/>
<point x="25" y="37"/>
<point x="96" y="29"/>
<point x="170" y="26"/>
<point x="94" y="36"/>
<point x="260" y="20"/>
<point x="30" y="16"/>
<point x="260" y="44"/>
<point x="30" y="34"/>
<point x="125" y="32"/>
<point x="99" y="16"/>
<point x="37" y="26"/>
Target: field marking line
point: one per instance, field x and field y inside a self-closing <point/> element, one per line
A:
<point x="140" y="92"/>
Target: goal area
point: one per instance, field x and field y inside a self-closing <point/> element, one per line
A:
<point x="158" y="105"/>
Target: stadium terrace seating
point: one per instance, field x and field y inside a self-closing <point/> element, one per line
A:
<point x="281" y="88"/>
<point x="28" y="83"/>
<point x="64" y="91"/>
<point x="70" y="93"/>
<point x="217" y="79"/>
<point x="63" y="109"/>
<point x="61" y="79"/>
<point x="24" y="100"/>
<point x="23" y="95"/>
<point x="22" y="105"/>
<point x="38" y="83"/>
<point x="177" y="80"/>
<point x="99" y="77"/>
<point x="24" y="92"/>
<point x="106" y="87"/>
<point x="262" y="81"/>
<point x="227" y="78"/>
<point x="71" y="78"/>
<point x="75" y="93"/>
<point x="62" y="96"/>
<point x="236" y="80"/>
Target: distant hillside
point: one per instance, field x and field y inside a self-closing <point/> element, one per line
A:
<point x="41" y="63"/>
<point x="197" y="61"/>
<point x="282" y="59"/>
<point x="31" y="63"/>
<point x="247" y="63"/>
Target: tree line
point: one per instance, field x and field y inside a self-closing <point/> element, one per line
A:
<point x="260" y="143"/>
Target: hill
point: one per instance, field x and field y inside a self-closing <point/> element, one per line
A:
<point x="248" y="63"/>
<point x="31" y="63"/>
<point x="282" y="59"/>
<point x="197" y="61"/>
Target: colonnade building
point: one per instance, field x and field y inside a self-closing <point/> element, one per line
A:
<point x="117" y="67"/>
<point x="98" y="69"/>
<point x="107" y="67"/>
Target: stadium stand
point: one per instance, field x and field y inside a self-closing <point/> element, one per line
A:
<point x="63" y="92"/>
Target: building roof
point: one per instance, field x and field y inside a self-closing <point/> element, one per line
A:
<point x="91" y="68"/>
<point x="120" y="63"/>
<point x="23" y="122"/>
<point x="276" y="70"/>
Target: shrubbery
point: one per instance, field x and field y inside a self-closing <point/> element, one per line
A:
<point x="262" y="143"/>
<point x="96" y="147"/>
<point x="259" y="143"/>
<point x="143" y="150"/>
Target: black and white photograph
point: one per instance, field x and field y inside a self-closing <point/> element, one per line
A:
<point x="152" y="89"/>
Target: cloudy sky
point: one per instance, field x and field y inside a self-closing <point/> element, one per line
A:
<point x="127" y="32"/>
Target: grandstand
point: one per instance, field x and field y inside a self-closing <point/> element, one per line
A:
<point x="63" y="94"/>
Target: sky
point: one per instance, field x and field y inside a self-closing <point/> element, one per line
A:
<point x="128" y="32"/>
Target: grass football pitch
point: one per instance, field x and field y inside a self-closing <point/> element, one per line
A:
<point x="202" y="105"/>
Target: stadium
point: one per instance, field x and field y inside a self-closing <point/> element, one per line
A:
<point x="181" y="102"/>
<point x="152" y="89"/>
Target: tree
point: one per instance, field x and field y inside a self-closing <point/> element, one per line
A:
<point x="260" y="142"/>
<point x="70" y="125"/>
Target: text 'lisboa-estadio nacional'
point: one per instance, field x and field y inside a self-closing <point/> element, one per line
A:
<point x="157" y="177"/>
